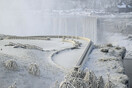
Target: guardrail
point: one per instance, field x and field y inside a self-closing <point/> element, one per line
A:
<point x="85" y="55"/>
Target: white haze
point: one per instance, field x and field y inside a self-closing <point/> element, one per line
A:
<point x="28" y="17"/>
<point x="22" y="17"/>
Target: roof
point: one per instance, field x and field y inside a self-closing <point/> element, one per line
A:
<point x="122" y="5"/>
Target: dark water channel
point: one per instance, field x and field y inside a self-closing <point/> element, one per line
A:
<point x="128" y="69"/>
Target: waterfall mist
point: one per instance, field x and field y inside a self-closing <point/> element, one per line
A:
<point x="33" y="17"/>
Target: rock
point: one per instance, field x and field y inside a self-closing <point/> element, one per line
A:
<point x="1" y="38"/>
<point x="11" y="65"/>
<point x="117" y="48"/>
<point x="34" y="69"/>
<point x="109" y="45"/>
<point x="105" y="50"/>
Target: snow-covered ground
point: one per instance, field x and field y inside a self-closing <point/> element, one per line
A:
<point x="24" y="58"/>
<point x="107" y="61"/>
<point x="27" y="67"/>
<point x="69" y="58"/>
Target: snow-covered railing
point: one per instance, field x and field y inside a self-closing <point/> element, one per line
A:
<point x="86" y="53"/>
<point x="45" y="37"/>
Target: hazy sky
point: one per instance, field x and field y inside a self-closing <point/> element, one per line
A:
<point x="27" y="17"/>
<point x="22" y="17"/>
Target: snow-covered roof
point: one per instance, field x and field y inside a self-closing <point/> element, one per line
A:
<point x="129" y="6"/>
<point x="122" y="5"/>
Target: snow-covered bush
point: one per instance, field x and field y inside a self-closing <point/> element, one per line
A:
<point x="24" y="46"/>
<point x="11" y="65"/>
<point x="34" y="69"/>
<point x="11" y="44"/>
<point x="13" y="85"/>
<point x="88" y="80"/>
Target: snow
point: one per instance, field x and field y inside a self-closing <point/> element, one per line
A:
<point x="129" y="6"/>
<point x="24" y="58"/>
<point x="123" y="5"/>
<point x="52" y="45"/>
<point x="119" y="39"/>
<point x="108" y="64"/>
<point x="69" y="58"/>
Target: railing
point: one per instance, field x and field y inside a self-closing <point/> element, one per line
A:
<point x="85" y="55"/>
